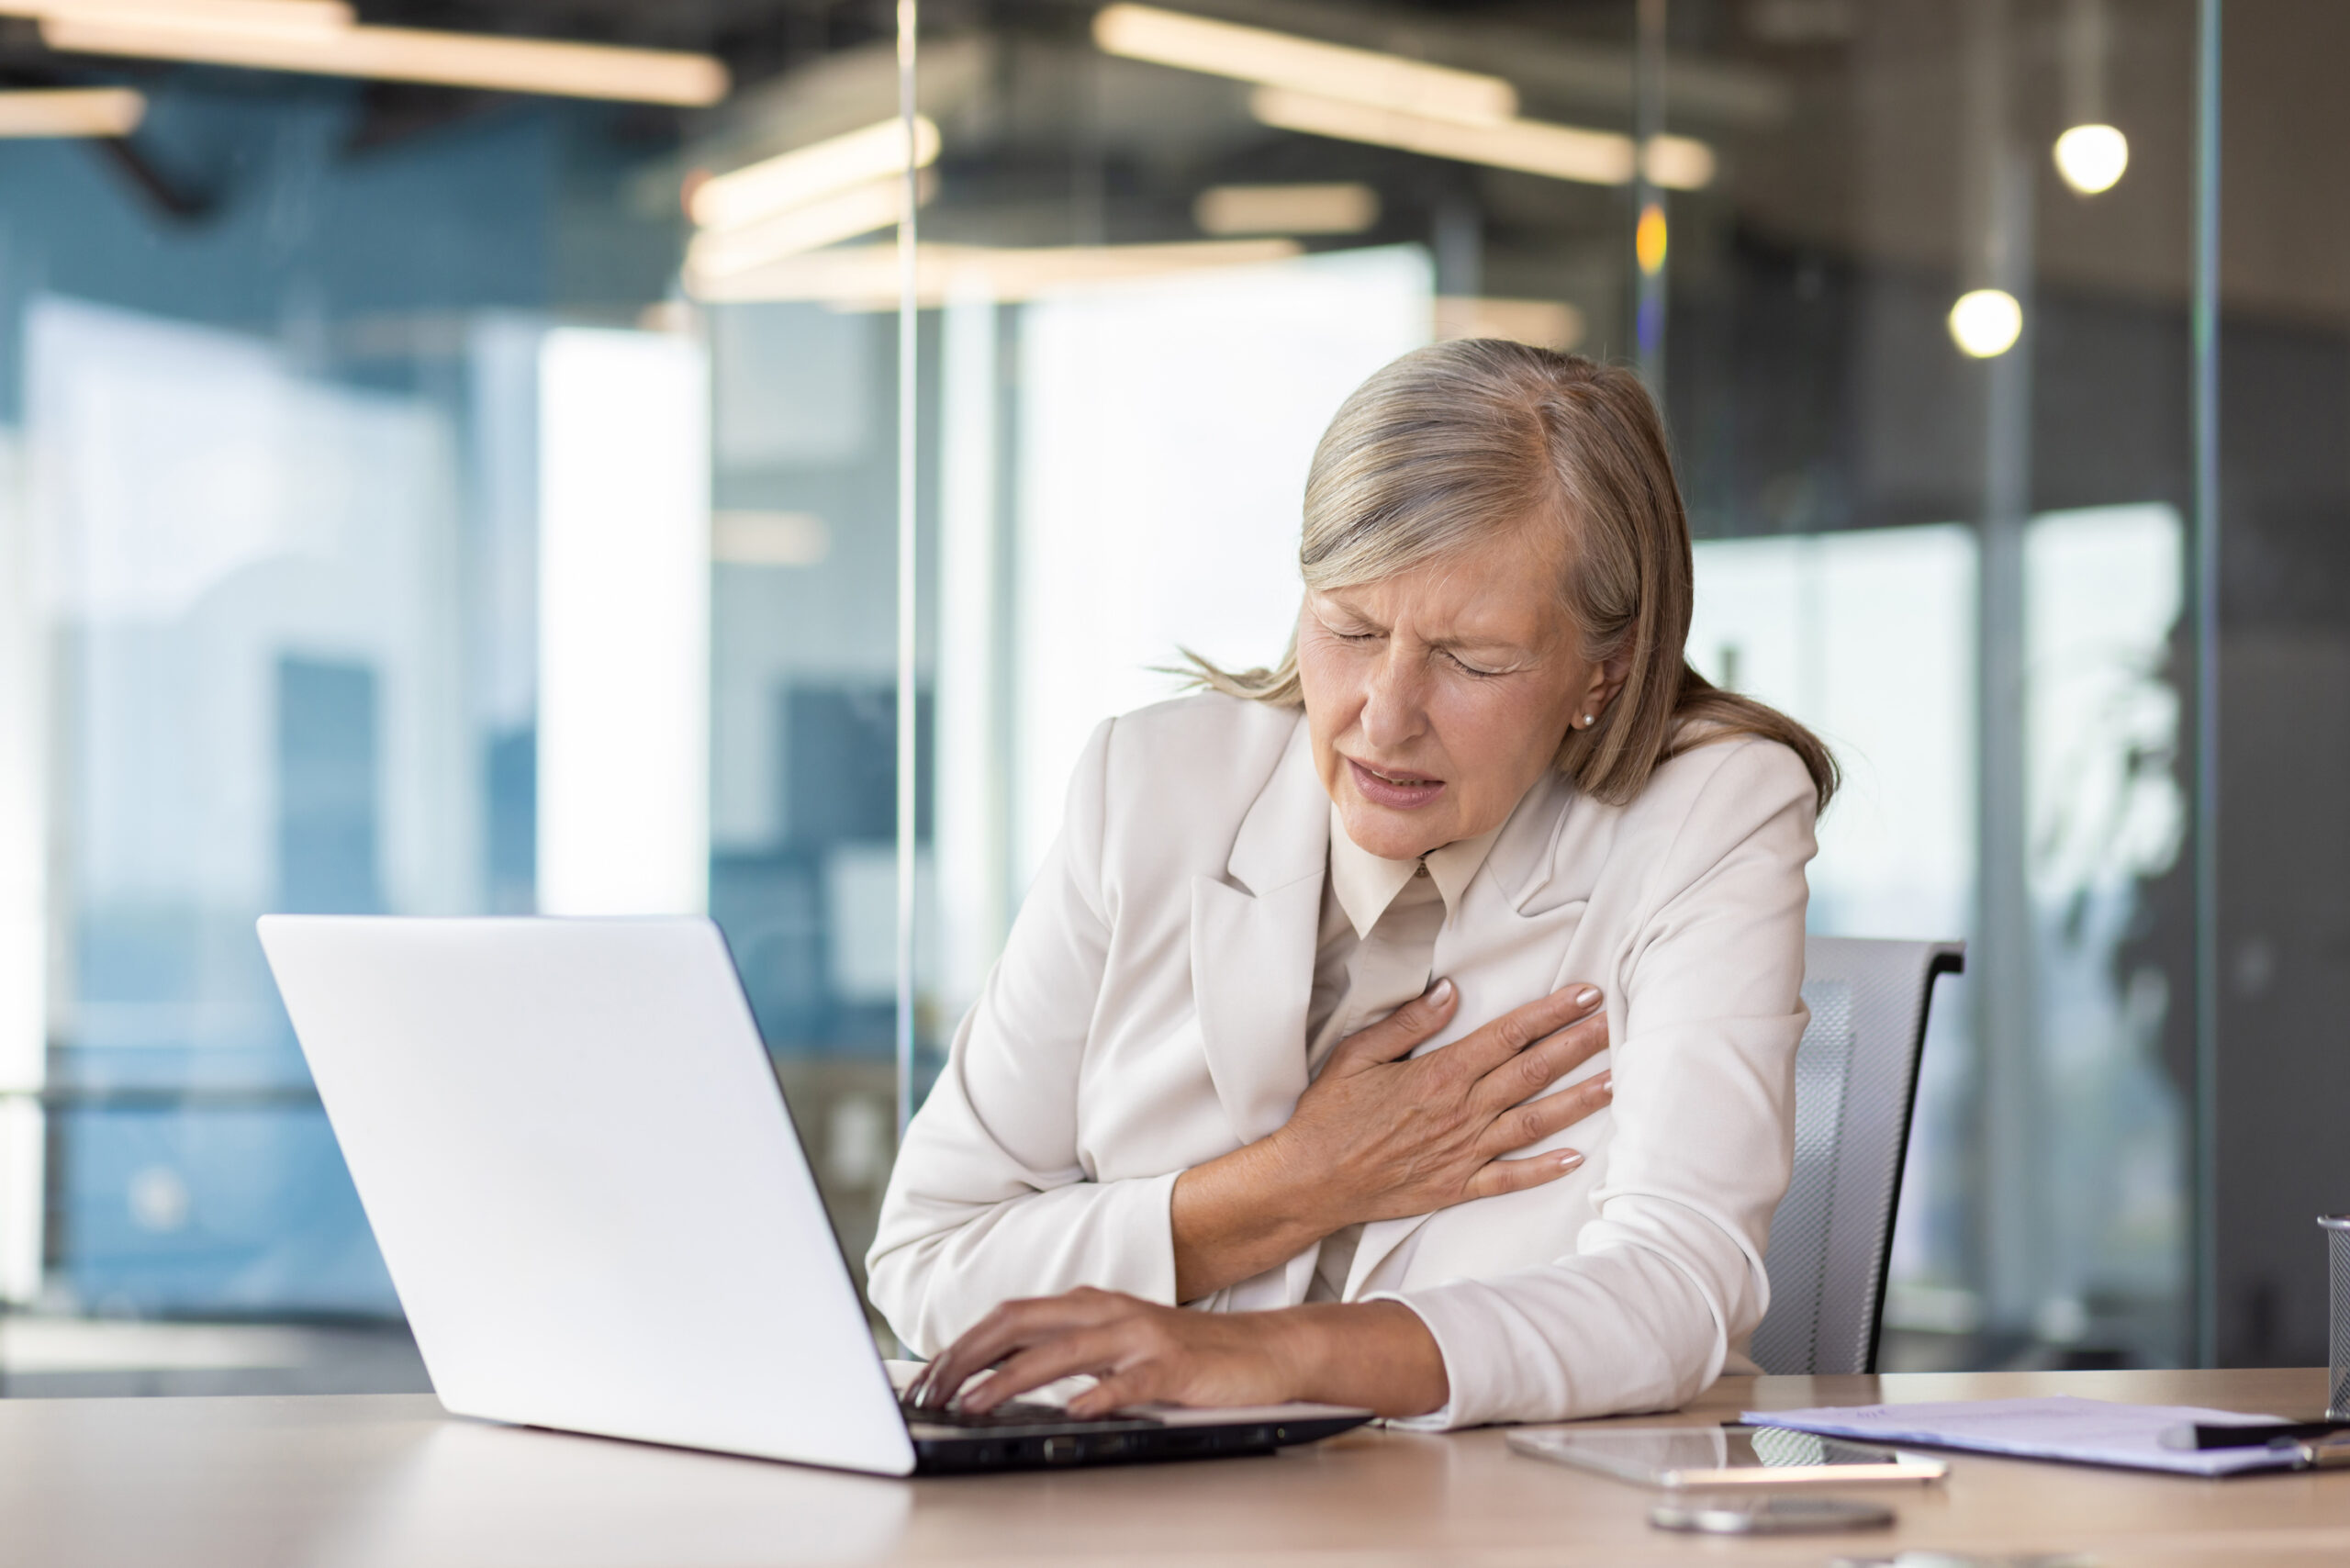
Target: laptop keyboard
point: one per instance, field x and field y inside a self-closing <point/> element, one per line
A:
<point x="1011" y="1413"/>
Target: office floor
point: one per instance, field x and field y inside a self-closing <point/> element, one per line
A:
<point x="81" y="1357"/>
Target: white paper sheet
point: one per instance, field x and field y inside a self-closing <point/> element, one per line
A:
<point x="2087" y="1431"/>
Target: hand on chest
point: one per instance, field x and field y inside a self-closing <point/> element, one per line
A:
<point x="1167" y="1088"/>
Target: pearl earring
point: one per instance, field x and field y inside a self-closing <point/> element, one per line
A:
<point x="1588" y="720"/>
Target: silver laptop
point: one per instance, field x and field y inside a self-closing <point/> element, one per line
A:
<point x="579" y="1167"/>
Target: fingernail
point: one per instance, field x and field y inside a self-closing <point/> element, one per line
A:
<point x="1570" y="1159"/>
<point x="1607" y="1083"/>
<point x="1441" y="992"/>
<point x="1588" y="996"/>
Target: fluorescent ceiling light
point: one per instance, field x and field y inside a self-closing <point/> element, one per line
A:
<point x="1535" y="147"/>
<point x="1562" y="151"/>
<point x="865" y="278"/>
<point x="1305" y="66"/>
<point x="1286" y="209"/>
<point x="877" y="204"/>
<point x="802" y="175"/>
<point x="219" y="32"/>
<point x="280" y="19"/>
<point x="71" y="111"/>
<point x="1680" y="163"/>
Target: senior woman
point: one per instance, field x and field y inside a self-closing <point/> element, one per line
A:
<point x="1211" y="1134"/>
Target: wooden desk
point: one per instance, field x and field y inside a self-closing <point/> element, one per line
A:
<point x="377" y="1482"/>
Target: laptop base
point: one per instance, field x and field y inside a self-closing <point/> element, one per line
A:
<point x="946" y="1451"/>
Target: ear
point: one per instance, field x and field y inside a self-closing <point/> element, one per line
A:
<point x="1608" y="679"/>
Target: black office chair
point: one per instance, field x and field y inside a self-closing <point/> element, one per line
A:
<point x="1856" y="1078"/>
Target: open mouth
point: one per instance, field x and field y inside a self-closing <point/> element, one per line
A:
<point x="1398" y="789"/>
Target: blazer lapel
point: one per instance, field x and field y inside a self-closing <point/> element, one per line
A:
<point x="1252" y="946"/>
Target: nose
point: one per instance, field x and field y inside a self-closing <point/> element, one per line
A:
<point x="1392" y="710"/>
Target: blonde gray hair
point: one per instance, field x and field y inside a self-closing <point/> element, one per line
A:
<point x="1461" y="442"/>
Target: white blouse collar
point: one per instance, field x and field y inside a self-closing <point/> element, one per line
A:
<point x="1366" y="883"/>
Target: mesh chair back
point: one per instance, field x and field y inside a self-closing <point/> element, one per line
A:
<point x="1856" y="1077"/>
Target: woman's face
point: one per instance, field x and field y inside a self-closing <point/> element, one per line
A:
<point x="1437" y="697"/>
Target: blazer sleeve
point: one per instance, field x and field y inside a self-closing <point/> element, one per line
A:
<point x="1669" y="1276"/>
<point x="988" y="1200"/>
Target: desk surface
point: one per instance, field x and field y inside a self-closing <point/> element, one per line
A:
<point x="354" y="1482"/>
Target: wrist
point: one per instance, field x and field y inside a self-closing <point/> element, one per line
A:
<point x="1375" y="1354"/>
<point x="1240" y="1215"/>
<point x="1299" y="1337"/>
<point x="1298" y="1189"/>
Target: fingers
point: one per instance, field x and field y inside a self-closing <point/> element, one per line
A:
<point x="993" y="1338"/>
<point x="1395" y="1037"/>
<point x="1489" y="1047"/>
<point x="1517" y="1175"/>
<point x="1115" y="1391"/>
<point x="1060" y="1354"/>
<point x="1543" y="1064"/>
<point x="1004" y="1330"/>
<point x="1539" y="1119"/>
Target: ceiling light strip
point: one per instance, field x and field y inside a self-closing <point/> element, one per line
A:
<point x="723" y="253"/>
<point x="69" y="112"/>
<point x="402" y="54"/>
<point x="310" y="18"/>
<point x="1306" y="65"/>
<point x="1534" y="147"/>
<point x="808" y="173"/>
<point x="1565" y="152"/>
<point x="863" y="277"/>
<point x="1349" y="208"/>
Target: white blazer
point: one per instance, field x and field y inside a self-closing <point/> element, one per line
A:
<point x="1148" y="1014"/>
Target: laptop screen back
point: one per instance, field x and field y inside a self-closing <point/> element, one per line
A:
<point x="573" y="1151"/>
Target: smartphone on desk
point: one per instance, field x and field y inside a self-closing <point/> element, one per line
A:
<point x="1769" y="1515"/>
<point x="1680" y="1458"/>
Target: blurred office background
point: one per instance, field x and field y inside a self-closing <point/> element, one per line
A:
<point x="444" y="475"/>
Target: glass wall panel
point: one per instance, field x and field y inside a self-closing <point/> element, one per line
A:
<point x="1929" y="365"/>
<point x="794" y="188"/>
<point x="804" y="713"/>
<point x="248" y="679"/>
<point x="380" y="531"/>
<point x="2283" y="336"/>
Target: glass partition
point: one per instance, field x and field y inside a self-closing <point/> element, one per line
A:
<point x="383" y="533"/>
<point x="1928" y="374"/>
